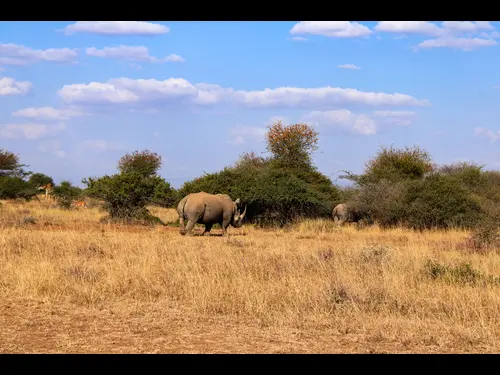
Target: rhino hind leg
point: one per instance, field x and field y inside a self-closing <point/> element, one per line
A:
<point x="182" y="228"/>
<point x="189" y="227"/>
<point x="208" y="228"/>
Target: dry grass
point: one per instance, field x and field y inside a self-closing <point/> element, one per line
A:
<point x="71" y="284"/>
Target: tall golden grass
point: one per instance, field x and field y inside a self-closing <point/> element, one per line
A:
<point x="413" y="289"/>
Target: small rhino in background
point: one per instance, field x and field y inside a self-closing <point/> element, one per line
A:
<point x="343" y="214"/>
<point x="209" y="209"/>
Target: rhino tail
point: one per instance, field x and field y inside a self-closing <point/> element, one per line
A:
<point x="181" y="217"/>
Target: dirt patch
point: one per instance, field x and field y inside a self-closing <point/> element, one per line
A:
<point x="30" y="326"/>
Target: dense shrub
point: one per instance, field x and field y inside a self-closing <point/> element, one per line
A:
<point x="383" y="202"/>
<point x="65" y="193"/>
<point x="164" y="195"/>
<point x="404" y="187"/>
<point x="13" y="182"/>
<point x="437" y="201"/>
<point x="126" y="194"/>
<point x="10" y="165"/>
<point x="40" y="179"/>
<point x="468" y="174"/>
<point x="441" y="202"/>
<point x="15" y="187"/>
<point x="394" y="165"/>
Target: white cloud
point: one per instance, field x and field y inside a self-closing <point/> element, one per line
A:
<point x="299" y="39"/>
<point x="338" y="29"/>
<point x="53" y="147"/>
<point x="136" y="66"/>
<point x="9" y="86"/>
<point x="467" y="26"/>
<point x="492" y="35"/>
<point x="148" y="91"/>
<point x="116" y="28"/>
<point x="348" y="66"/>
<point x="493" y="136"/>
<point x="48" y="113"/>
<point x="100" y="145"/>
<point x="431" y="28"/>
<point x="322" y="96"/>
<point x="30" y="131"/>
<point x="409" y="27"/>
<point x="344" y="119"/>
<point x="241" y="134"/>
<point x="132" y="53"/>
<point x="14" y="54"/>
<point x="359" y="123"/>
<point x="397" y="118"/>
<point x="449" y="34"/>
<point x="466" y="44"/>
<point x="174" y="58"/>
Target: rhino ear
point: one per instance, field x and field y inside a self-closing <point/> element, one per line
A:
<point x="237" y="201"/>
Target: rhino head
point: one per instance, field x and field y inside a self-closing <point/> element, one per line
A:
<point x="237" y="220"/>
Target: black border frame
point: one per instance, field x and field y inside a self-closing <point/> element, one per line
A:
<point x="239" y="363"/>
<point x="249" y="11"/>
<point x="256" y="10"/>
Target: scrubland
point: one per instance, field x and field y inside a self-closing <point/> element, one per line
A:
<point x="71" y="284"/>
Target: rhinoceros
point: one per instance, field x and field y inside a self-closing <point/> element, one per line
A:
<point x="343" y="214"/>
<point x="209" y="209"/>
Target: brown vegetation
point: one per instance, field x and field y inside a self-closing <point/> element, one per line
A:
<point x="72" y="284"/>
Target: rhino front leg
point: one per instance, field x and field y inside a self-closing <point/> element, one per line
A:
<point x="224" y="225"/>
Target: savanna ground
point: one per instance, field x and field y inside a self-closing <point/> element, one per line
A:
<point x="69" y="284"/>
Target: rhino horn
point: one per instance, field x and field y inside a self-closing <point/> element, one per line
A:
<point x="244" y="212"/>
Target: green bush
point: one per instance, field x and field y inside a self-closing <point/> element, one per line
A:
<point x="437" y="201"/>
<point x="126" y="194"/>
<point x="383" y="202"/>
<point x="65" y="194"/>
<point x="40" y="179"/>
<point x="441" y="202"/>
<point x="394" y="165"/>
<point x="164" y="195"/>
<point x="16" y="187"/>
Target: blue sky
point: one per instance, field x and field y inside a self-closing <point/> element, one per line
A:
<point x="75" y="96"/>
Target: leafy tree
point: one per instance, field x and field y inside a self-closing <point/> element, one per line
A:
<point x="291" y="146"/>
<point x="395" y="165"/>
<point x="468" y="174"/>
<point x="12" y="178"/>
<point x="40" y="179"/>
<point x="146" y="163"/>
<point x="164" y="195"/>
<point x="10" y="165"/>
<point x="127" y="193"/>
<point x="250" y="160"/>
<point x="440" y="201"/>
<point x="12" y="187"/>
